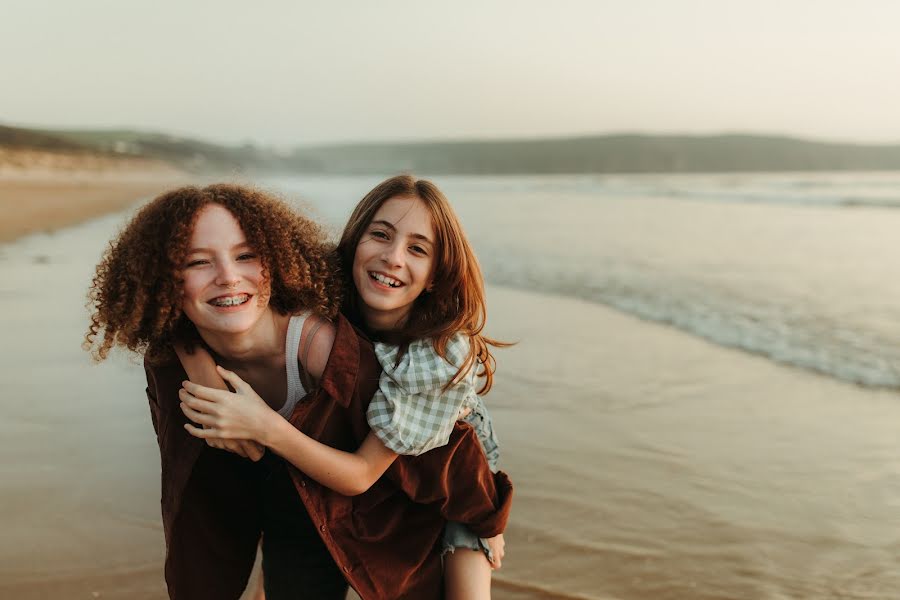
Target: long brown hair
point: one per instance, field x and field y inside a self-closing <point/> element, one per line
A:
<point x="455" y="303"/>
<point x="135" y="296"/>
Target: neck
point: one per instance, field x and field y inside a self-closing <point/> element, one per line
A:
<point x="384" y="322"/>
<point x="265" y="340"/>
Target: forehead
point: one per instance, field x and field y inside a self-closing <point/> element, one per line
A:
<point x="215" y="226"/>
<point x="407" y="214"/>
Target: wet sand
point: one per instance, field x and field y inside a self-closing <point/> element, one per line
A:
<point x="648" y="463"/>
<point x="40" y="191"/>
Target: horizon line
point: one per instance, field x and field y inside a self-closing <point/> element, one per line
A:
<point x="49" y="129"/>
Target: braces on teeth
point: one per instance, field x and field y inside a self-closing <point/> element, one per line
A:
<point x="231" y="301"/>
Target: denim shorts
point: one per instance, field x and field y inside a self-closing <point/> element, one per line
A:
<point x="457" y="535"/>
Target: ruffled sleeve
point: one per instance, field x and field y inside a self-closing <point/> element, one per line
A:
<point x="411" y="412"/>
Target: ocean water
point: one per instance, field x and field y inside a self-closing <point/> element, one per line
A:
<point x="799" y="268"/>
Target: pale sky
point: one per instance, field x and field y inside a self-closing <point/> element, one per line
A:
<point x="295" y="72"/>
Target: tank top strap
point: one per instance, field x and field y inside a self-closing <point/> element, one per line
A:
<point x="295" y="389"/>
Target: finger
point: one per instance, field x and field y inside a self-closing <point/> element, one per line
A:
<point x="205" y="434"/>
<point x="255" y="451"/>
<point x="197" y="417"/>
<point x="238" y="384"/>
<point x="214" y="443"/>
<point x="251" y="450"/>
<point x="496" y="558"/>
<point x="206" y="393"/>
<point x="236" y="448"/>
<point x="204" y="406"/>
<point x="235" y="445"/>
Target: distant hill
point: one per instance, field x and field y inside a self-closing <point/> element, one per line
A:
<point x="627" y="153"/>
<point x="623" y="153"/>
<point x="185" y="153"/>
<point x="18" y="138"/>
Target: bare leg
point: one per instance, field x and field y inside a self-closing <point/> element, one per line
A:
<point x="254" y="589"/>
<point x="467" y="575"/>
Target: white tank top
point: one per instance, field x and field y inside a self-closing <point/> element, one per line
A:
<point x="295" y="389"/>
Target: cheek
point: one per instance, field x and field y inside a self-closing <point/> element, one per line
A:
<point x="190" y="289"/>
<point x="359" y="257"/>
<point x="255" y="274"/>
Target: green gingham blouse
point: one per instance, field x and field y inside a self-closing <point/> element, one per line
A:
<point x="411" y="413"/>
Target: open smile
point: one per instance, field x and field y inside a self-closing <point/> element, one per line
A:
<point x="230" y="301"/>
<point x="385" y="280"/>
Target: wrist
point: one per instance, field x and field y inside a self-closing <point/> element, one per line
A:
<point x="272" y="430"/>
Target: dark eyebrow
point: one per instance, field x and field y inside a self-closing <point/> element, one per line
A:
<point x="390" y="226"/>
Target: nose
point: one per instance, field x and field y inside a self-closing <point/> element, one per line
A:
<point x="227" y="274"/>
<point x="393" y="254"/>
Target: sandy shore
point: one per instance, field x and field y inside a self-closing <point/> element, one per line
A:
<point x="42" y="191"/>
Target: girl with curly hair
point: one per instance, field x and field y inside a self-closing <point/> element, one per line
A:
<point x="413" y="282"/>
<point x="238" y="274"/>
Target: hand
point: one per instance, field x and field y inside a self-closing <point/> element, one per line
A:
<point x="244" y="448"/>
<point x="497" y="545"/>
<point x="224" y="415"/>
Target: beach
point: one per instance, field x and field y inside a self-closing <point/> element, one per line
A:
<point x="43" y="191"/>
<point x="651" y="459"/>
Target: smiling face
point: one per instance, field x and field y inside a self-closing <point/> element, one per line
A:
<point x="225" y="291"/>
<point x="394" y="261"/>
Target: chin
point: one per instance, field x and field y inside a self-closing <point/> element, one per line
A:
<point x="227" y="324"/>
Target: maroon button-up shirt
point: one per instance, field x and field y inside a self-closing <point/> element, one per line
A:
<point x="386" y="540"/>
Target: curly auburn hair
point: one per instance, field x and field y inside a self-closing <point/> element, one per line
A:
<point x="455" y="304"/>
<point x="135" y="296"/>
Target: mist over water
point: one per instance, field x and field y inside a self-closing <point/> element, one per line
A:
<point x="800" y="268"/>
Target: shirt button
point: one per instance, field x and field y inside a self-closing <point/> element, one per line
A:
<point x="322" y="528"/>
<point x="302" y="483"/>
